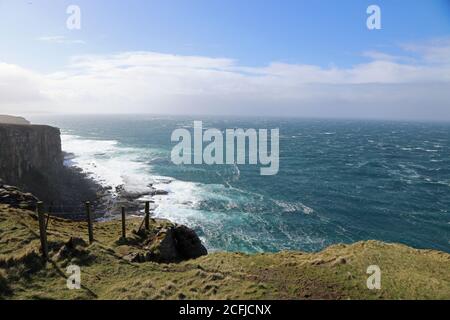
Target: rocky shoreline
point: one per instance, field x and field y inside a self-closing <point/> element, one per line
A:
<point x="32" y="159"/>
<point x="131" y="200"/>
<point x="75" y="187"/>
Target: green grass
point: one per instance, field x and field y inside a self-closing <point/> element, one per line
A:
<point x="339" y="272"/>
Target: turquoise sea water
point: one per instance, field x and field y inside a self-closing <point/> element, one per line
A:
<point x="339" y="180"/>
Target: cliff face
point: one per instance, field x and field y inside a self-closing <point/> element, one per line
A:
<point x="29" y="154"/>
<point x="31" y="159"/>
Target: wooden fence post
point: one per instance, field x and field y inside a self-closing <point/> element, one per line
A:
<point x="89" y="221"/>
<point x="124" y="231"/>
<point x="49" y="213"/>
<point x="42" y="229"/>
<point x="147" y="215"/>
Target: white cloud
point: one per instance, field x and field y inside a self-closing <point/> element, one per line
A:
<point x="60" y="40"/>
<point x="382" y="56"/>
<point x="164" y="83"/>
<point x="434" y="51"/>
<point x="20" y="89"/>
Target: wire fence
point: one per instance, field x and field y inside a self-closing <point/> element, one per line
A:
<point x="86" y="214"/>
<point x="78" y="212"/>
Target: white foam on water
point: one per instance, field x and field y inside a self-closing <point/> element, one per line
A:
<point x="291" y="207"/>
<point x="113" y="165"/>
<point x="107" y="163"/>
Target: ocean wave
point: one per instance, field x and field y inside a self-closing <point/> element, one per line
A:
<point x="291" y="207"/>
<point x="108" y="163"/>
<point x="219" y="213"/>
<point x="113" y="165"/>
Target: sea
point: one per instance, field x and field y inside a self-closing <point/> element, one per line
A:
<point x="339" y="181"/>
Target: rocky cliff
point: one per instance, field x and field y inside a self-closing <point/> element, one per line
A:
<point x="31" y="159"/>
<point x="29" y="155"/>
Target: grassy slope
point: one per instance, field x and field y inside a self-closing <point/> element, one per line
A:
<point x="406" y="273"/>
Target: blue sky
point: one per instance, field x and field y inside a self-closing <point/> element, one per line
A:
<point x="254" y="32"/>
<point x="251" y="36"/>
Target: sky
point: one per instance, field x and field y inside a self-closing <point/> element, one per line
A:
<point x="227" y="57"/>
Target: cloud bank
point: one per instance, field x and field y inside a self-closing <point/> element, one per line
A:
<point x="415" y="85"/>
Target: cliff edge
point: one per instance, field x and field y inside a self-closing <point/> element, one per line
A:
<point x="110" y="267"/>
<point x="29" y="154"/>
<point x="31" y="159"/>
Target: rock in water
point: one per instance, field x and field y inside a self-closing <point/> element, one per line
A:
<point x="158" y="192"/>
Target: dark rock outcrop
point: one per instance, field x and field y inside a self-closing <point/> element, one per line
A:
<point x="188" y="243"/>
<point x="175" y="243"/>
<point x="74" y="250"/>
<point x="167" y="242"/>
<point x="17" y="199"/>
<point x="130" y="199"/>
